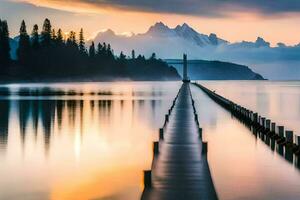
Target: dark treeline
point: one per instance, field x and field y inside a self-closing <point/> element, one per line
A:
<point x="52" y="55"/>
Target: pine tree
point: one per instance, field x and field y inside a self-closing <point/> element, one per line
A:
<point x="104" y="48"/>
<point x="133" y="54"/>
<point x="153" y="56"/>
<point x="46" y="33"/>
<point x="23" y="51"/>
<point x="109" y="52"/>
<point x="71" y="41"/>
<point x="92" y="52"/>
<point x="99" y="48"/>
<point x="122" y="56"/>
<point x="53" y="35"/>
<point x="4" y="43"/>
<point x="59" y="37"/>
<point x="35" y="42"/>
<point x="82" y="48"/>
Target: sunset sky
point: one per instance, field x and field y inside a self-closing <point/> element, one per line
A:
<point x="234" y="20"/>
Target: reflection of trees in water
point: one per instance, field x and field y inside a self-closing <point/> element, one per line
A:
<point x="104" y="107"/>
<point x="4" y="117"/>
<point x="47" y="112"/>
<point x="24" y="115"/>
<point x="39" y="117"/>
<point x="42" y="112"/>
<point x="81" y="103"/>
<point x="59" y="112"/>
<point x="71" y="108"/>
<point x="35" y="117"/>
<point x="43" y="109"/>
<point x="92" y="106"/>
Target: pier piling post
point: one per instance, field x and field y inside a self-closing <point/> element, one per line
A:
<point x="167" y="118"/>
<point x="161" y="133"/>
<point x="280" y="130"/>
<point x="204" y="148"/>
<point x="155" y="148"/>
<point x="147" y="179"/>
<point x="263" y="122"/>
<point x="268" y="124"/>
<point x="273" y="127"/>
<point x="297" y="140"/>
<point x="251" y="115"/>
<point x="289" y="136"/>
<point x="200" y="133"/>
<point x="255" y="116"/>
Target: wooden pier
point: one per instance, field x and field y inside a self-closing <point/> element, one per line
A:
<point x="180" y="169"/>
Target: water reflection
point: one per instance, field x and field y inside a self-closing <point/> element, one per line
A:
<point x="89" y="145"/>
<point x="70" y="113"/>
<point x="95" y="142"/>
<point x="4" y="116"/>
<point x="239" y="157"/>
<point x="269" y="140"/>
<point x="273" y="100"/>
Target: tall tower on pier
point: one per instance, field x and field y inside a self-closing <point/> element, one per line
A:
<point x="185" y="73"/>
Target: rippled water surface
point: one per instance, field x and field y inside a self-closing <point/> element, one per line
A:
<point x="93" y="140"/>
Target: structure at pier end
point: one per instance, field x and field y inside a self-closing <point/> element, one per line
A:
<point x="185" y="70"/>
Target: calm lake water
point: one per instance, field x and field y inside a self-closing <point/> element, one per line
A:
<point x="93" y="140"/>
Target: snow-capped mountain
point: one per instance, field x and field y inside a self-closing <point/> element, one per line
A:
<point x="170" y="42"/>
<point x="162" y="31"/>
<point x="184" y="31"/>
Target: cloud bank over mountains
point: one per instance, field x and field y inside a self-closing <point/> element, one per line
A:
<point x="211" y="8"/>
<point x="173" y="42"/>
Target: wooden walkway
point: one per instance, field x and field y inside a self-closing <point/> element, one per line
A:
<point x="180" y="169"/>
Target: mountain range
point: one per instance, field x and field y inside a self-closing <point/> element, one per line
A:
<point x="180" y="32"/>
<point x="280" y="62"/>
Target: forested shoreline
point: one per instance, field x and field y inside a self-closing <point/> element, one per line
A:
<point x="50" y="55"/>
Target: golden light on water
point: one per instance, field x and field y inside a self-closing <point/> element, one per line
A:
<point x="83" y="148"/>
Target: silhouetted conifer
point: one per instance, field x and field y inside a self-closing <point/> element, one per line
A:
<point x="122" y="56"/>
<point x="109" y="52"/>
<point x="46" y="33"/>
<point x="92" y="52"/>
<point x="81" y="44"/>
<point x="4" y="43"/>
<point x="99" y="48"/>
<point x="35" y="40"/>
<point x="53" y="35"/>
<point x="59" y="37"/>
<point x="71" y="41"/>
<point x="153" y="56"/>
<point x="23" y="51"/>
